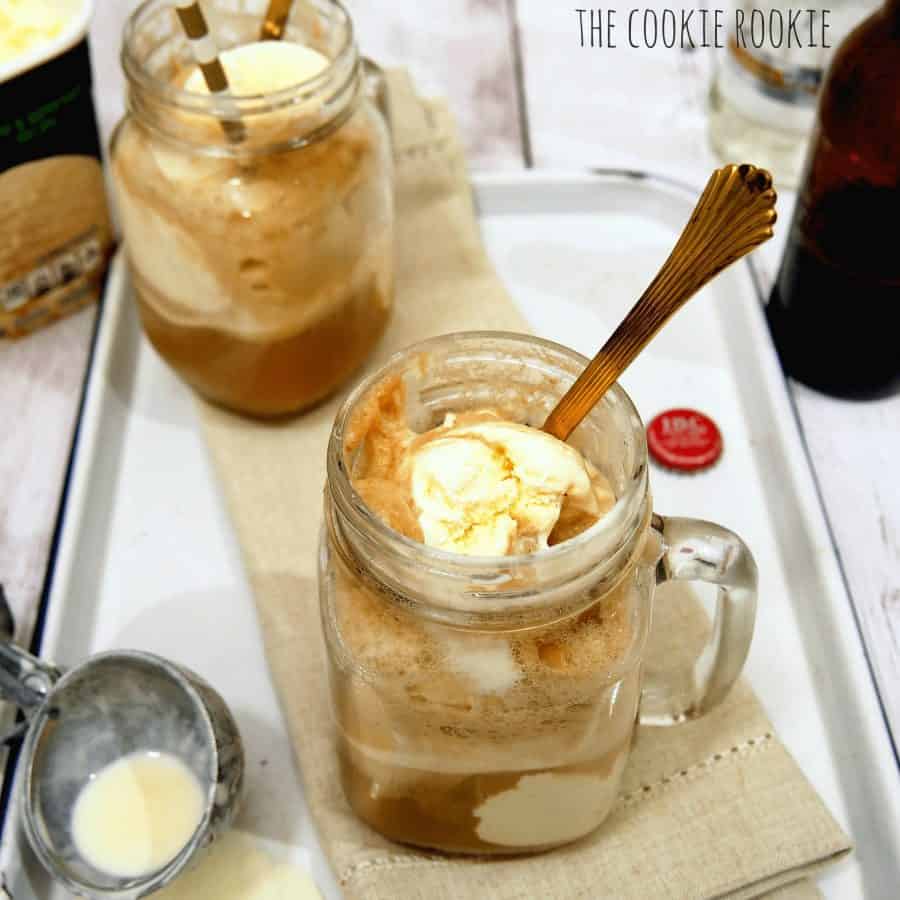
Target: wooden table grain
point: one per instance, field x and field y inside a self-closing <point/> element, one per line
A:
<point x="525" y="94"/>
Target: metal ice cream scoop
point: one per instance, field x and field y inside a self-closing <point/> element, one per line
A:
<point x="100" y="711"/>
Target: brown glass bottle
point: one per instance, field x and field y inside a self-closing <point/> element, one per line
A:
<point x="835" y="304"/>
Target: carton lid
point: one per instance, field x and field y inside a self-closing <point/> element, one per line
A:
<point x="77" y="14"/>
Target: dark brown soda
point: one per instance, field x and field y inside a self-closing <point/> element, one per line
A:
<point x="836" y="299"/>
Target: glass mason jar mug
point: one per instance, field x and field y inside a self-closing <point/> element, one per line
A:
<point x="261" y="254"/>
<point x="487" y="705"/>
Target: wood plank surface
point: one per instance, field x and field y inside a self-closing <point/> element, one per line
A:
<point x="461" y="50"/>
<point x="611" y="106"/>
<point x="854" y="449"/>
<point x="41" y="377"/>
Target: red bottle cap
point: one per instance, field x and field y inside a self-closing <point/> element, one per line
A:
<point x="684" y="439"/>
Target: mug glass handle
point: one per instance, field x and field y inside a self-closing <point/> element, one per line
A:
<point x="694" y="550"/>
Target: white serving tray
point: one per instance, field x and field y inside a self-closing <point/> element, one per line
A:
<point x="148" y="558"/>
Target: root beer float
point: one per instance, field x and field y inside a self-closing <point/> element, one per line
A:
<point x="486" y="593"/>
<point x="263" y="267"/>
<point x="483" y="656"/>
<point x="492" y="726"/>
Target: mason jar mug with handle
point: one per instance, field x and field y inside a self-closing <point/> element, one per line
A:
<point x="488" y="705"/>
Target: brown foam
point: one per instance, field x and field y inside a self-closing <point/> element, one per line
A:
<point x="376" y="445"/>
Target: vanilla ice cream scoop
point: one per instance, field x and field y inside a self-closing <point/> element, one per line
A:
<point x="259" y="70"/>
<point x="263" y="67"/>
<point x="494" y="488"/>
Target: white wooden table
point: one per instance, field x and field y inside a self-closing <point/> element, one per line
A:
<point x="526" y="94"/>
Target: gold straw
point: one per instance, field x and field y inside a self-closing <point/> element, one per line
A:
<point x="207" y="56"/>
<point x="276" y="18"/>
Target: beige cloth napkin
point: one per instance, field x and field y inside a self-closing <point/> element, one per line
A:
<point x="712" y="808"/>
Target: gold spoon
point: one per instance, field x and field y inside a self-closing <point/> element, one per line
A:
<point x="734" y="214"/>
